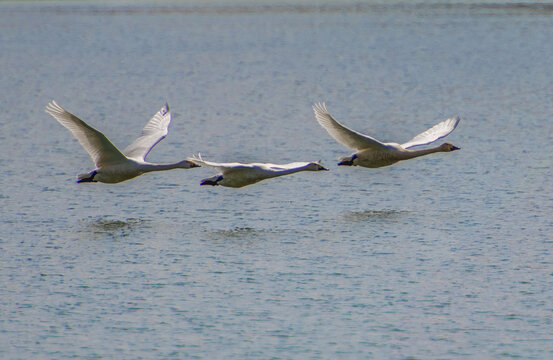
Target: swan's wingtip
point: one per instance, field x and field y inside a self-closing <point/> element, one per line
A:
<point x="53" y="106"/>
<point x="452" y="121"/>
<point x="456" y="121"/>
<point x="164" y="109"/>
<point x="319" y="104"/>
<point x="320" y="107"/>
<point x="195" y="158"/>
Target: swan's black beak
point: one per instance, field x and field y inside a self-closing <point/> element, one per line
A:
<point x="322" y="168"/>
<point x="453" y="148"/>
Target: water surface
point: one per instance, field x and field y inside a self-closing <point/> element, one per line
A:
<point x="447" y="256"/>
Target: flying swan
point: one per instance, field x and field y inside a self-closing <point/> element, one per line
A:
<point x="372" y="153"/>
<point x="237" y="175"/>
<point x="113" y="166"/>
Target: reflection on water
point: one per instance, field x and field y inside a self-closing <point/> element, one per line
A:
<point x="374" y="215"/>
<point x="112" y="227"/>
<point x="236" y="232"/>
<point x="243" y="237"/>
<point x="246" y="233"/>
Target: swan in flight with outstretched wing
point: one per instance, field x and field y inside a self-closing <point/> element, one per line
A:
<point x="112" y="165"/>
<point x="372" y="153"/>
<point x="238" y="175"/>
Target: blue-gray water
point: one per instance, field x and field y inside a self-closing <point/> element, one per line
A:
<point x="446" y="256"/>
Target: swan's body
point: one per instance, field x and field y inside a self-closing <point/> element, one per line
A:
<point x="372" y="153"/>
<point x="238" y="175"/>
<point x="112" y="165"/>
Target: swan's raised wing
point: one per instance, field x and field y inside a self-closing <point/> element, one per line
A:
<point x="342" y="134"/>
<point x="434" y="133"/>
<point x="100" y="149"/>
<point x="155" y="130"/>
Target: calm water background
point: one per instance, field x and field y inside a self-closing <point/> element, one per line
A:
<point x="447" y="256"/>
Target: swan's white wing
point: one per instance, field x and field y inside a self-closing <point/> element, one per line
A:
<point x="434" y="133"/>
<point x="155" y="130"/>
<point x="100" y="149"/>
<point x="222" y="167"/>
<point x="342" y="134"/>
<point x="281" y="167"/>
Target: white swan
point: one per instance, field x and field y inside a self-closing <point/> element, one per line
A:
<point x="112" y="166"/>
<point x="372" y="153"/>
<point x="238" y="175"/>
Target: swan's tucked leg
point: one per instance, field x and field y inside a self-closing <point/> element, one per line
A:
<point x="213" y="181"/>
<point x="348" y="161"/>
<point x="87" y="177"/>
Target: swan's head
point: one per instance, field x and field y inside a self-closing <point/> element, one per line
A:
<point x="187" y="164"/>
<point x="315" y="166"/>
<point x="449" y="147"/>
<point x="347" y="160"/>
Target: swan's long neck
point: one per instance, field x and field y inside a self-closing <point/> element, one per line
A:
<point x="288" y="171"/>
<point x="149" y="167"/>
<point x="410" y="154"/>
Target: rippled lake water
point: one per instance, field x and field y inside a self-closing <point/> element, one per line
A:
<point x="447" y="256"/>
